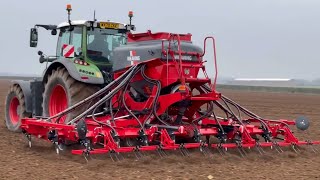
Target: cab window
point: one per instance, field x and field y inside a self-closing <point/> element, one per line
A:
<point x="76" y="39"/>
<point x="64" y="38"/>
<point x="71" y="37"/>
<point x="101" y="42"/>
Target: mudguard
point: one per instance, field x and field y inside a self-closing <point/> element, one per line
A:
<point x="26" y="89"/>
<point x="73" y="71"/>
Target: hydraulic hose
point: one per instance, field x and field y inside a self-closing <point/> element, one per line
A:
<point x="126" y="107"/>
<point x="93" y="96"/>
<point x="107" y="97"/>
<point x="154" y="107"/>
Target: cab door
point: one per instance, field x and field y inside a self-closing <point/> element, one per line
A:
<point x="70" y="42"/>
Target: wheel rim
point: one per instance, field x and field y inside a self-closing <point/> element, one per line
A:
<point x="14" y="110"/>
<point x="58" y="102"/>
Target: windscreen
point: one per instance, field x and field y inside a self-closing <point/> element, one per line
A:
<point x="101" y="42"/>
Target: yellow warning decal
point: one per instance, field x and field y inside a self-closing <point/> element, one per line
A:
<point x="108" y="25"/>
<point x="98" y="74"/>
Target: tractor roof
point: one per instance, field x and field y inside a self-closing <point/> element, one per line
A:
<point x="97" y="23"/>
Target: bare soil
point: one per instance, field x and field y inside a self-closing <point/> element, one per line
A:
<point x="18" y="161"/>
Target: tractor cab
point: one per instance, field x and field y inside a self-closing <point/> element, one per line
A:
<point x="85" y="47"/>
<point x="91" y="42"/>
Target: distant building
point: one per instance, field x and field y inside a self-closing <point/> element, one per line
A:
<point x="274" y="82"/>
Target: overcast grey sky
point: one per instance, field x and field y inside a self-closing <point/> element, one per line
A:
<point x="255" y="38"/>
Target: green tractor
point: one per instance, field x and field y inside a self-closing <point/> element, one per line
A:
<point x="82" y="65"/>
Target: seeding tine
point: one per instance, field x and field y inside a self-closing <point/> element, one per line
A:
<point x="314" y="149"/>
<point x="244" y="151"/>
<point x="186" y="151"/>
<point x="161" y="152"/>
<point x="111" y="157"/>
<point x="85" y="155"/>
<point x="260" y="149"/>
<point x="277" y="147"/>
<point x="164" y="153"/>
<point x="222" y="151"/>
<point x="136" y="154"/>
<point x="121" y="157"/>
<point x="139" y="155"/>
<point x="204" y="151"/>
<point x="295" y="148"/>
<point x="114" y="157"/>
<point x="142" y="153"/>
<point x="241" y="151"/>
<point x="207" y="149"/>
<point x="181" y="151"/>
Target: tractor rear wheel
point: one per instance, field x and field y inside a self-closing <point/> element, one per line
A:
<point x="15" y="108"/>
<point x="62" y="91"/>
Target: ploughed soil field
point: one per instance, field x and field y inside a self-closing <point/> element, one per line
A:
<point x="18" y="161"/>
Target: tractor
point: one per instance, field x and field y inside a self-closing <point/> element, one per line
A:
<point x="86" y="51"/>
<point x="114" y="91"/>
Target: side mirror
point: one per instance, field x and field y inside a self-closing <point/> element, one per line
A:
<point x="33" y="37"/>
<point x="54" y="32"/>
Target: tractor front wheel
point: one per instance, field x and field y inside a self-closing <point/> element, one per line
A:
<point x="15" y="108"/>
<point x="62" y="91"/>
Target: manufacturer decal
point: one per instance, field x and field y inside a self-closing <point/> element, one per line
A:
<point x="133" y="57"/>
<point x="183" y="57"/>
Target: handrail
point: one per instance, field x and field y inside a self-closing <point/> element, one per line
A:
<point x="179" y="69"/>
<point x="214" y="58"/>
<point x="180" y="58"/>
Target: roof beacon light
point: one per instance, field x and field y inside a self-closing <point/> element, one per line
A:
<point x="130" y="14"/>
<point x="69" y="8"/>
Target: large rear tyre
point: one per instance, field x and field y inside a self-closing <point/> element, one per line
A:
<point x="15" y="108"/>
<point x="62" y="91"/>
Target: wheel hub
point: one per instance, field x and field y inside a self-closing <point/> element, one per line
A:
<point x="14" y="110"/>
<point x="58" y="102"/>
